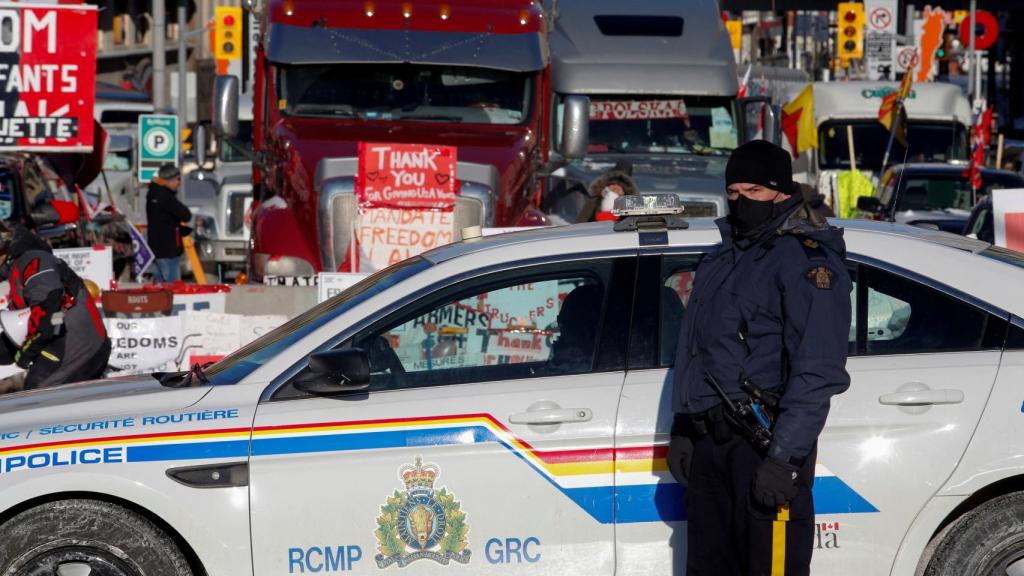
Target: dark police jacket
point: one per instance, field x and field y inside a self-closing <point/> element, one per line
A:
<point x="775" y="309"/>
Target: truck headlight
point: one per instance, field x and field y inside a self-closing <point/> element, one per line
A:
<point x="206" y="227"/>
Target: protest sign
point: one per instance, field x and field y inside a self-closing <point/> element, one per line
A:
<point x="330" y="284"/>
<point x="406" y="176"/>
<point x="386" y="235"/>
<point x="636" y="109"/>
<point x="210" y="334"/>
<point x="94" y="263"/>
<point x="253" y="327"/>
<point x="141" y="345"/>
<point x="142" y="255"/>
<point x="1008" y="218"/>
<point x="47" y="77"/>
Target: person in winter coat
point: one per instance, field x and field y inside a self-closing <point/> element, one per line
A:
<point x="166" y="218"/>
<point x="603" y="191"/>
<point x="770" y="309"/>
<point x="66" y="339"/>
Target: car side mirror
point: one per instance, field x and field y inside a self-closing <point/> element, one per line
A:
<point x="225" y="106"/>
<point x="575" y="127"/>
<point x="869" y="204"/>
<point x="335" y="372"/>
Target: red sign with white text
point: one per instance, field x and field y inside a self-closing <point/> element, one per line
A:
<point x="47" y="77"/>
<point x="636" y="109"/>
<point x="406" y="176"/>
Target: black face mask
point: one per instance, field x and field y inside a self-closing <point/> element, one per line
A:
<point x="748" y="215"/>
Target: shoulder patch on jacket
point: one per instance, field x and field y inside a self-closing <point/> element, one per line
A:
<point x="812" y="248"/>
<point x="820" y="277"/>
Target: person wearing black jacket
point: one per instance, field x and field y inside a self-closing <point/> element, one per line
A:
<point x="166" y="217"/>
<point x="66" y="340"/>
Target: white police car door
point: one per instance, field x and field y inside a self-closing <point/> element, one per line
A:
<point x="922" y="364"/>
<point x="485" y="441"/>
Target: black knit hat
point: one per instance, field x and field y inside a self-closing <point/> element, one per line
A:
<point x="761" y="162"/>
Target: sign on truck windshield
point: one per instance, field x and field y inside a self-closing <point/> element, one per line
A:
<point x="405" y="92"/>
<point x="929" y="142"/>
<point x="662" y="125"/>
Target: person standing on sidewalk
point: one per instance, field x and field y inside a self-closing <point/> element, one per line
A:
<point x="167" y="219"/>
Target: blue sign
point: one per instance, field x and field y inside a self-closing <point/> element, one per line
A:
<point x="143" y="255"/>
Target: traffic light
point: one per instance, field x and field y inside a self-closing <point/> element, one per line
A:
<point x="227" y="35"/>
<point x="850" y="31"/>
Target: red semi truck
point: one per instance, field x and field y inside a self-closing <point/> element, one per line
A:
<point x="331" y="74"/>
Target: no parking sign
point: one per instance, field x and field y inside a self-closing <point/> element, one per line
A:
<point x="158" y="143"/>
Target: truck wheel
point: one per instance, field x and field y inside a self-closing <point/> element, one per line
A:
<point x="86" y="538"/>
<point x="987" y="540"/>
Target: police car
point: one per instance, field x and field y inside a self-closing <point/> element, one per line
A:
<point x="502" y="405"/>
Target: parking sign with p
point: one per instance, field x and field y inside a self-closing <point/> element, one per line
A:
<point x="158" y="138"/>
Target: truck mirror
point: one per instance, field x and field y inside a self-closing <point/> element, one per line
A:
<point x="771" y="119"/>
<point x="575" y="127"/>
<point x="869" y="204"/>
<point x="225" y="106"/>
<point x="199" y="145"/>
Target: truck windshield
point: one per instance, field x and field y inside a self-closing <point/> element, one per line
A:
<point x="239" y="148"/>
<point x="929" y="142"/>
<point x="662" y="125"/>
<point x="406" y="92"/>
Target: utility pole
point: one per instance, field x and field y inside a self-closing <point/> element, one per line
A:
<point x="182" y="75"/>
<point x="975" y="75"/>
<point x="159" y="56"/>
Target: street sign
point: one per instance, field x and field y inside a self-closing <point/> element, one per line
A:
<point x="880" y="38"/>
<point x="158" y="143"/>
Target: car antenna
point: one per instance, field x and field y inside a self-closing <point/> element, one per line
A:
<point x="906" y="154"/>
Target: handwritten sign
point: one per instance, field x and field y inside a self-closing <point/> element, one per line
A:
<point x="637" y="109"/>
<point x="330" y="284"/>
<point x="386" y="236"/>
<point x="140" y="345"/>
<point x="94" y="263"/>
<point x="48" y="77"/>
<point x="1008" y="218"/>
<point x="406" y="176"/>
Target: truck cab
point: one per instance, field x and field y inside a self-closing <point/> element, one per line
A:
<point x="332" y="74"/>
<point x="938" y="121"/>
<point x="662" y="83"/>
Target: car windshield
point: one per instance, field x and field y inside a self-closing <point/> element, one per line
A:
<point x="662" y="125"/>
<point x="407" y="92"/>
<point x="929" y="142"/>
<point x="950" y="191"/>
<point x="236" y="366"/>
<point x="239" y="148"/>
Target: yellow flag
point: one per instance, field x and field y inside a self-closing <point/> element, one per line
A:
<point x="798" y="122"/>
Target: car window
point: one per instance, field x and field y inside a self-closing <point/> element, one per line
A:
<point x="678" y="273"/>
<point x="935" y="193"/>
<point x="541" y="321"/>
<point x="899" y="315"/>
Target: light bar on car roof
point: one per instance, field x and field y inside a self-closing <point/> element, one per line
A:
<point x="647" y="205"/>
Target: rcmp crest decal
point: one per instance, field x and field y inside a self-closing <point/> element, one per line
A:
<point x="421" y="522"/>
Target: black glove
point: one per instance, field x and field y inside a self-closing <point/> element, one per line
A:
<point x="775" y="483"/>
<point x="680" y="458"/>
<point x="28" y="353"/>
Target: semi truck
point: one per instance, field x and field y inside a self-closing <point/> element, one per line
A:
<point x="662" y="82"/>
<point x="332" y="74"/>
<point x="938" y="129"/>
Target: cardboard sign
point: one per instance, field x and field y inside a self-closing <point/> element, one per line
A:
<point x="386" y="236"/>
<point x="406" y="176"/>
<point x="333" y="283"/>
<point x="94" y="263"/>
<point x="1008" y="218"/>
<point x="47" y="77"/>
<point x="637" y="109"/>
<point x="141" y="345"/>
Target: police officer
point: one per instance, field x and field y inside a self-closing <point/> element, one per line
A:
<point x="66" y="340"/>
<point x="770" y="308"/>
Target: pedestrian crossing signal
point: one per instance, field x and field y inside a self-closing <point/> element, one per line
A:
<point x="227" y="35"/>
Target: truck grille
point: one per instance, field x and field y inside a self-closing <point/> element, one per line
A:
<point x="699" y="209"/>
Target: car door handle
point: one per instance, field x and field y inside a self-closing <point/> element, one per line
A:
<point x="921" y="397"/>
<point x="552" y="416"/>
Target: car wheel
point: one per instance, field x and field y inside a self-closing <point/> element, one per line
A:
<point x="987" y="540"/>
<point x="86" y="538"/>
